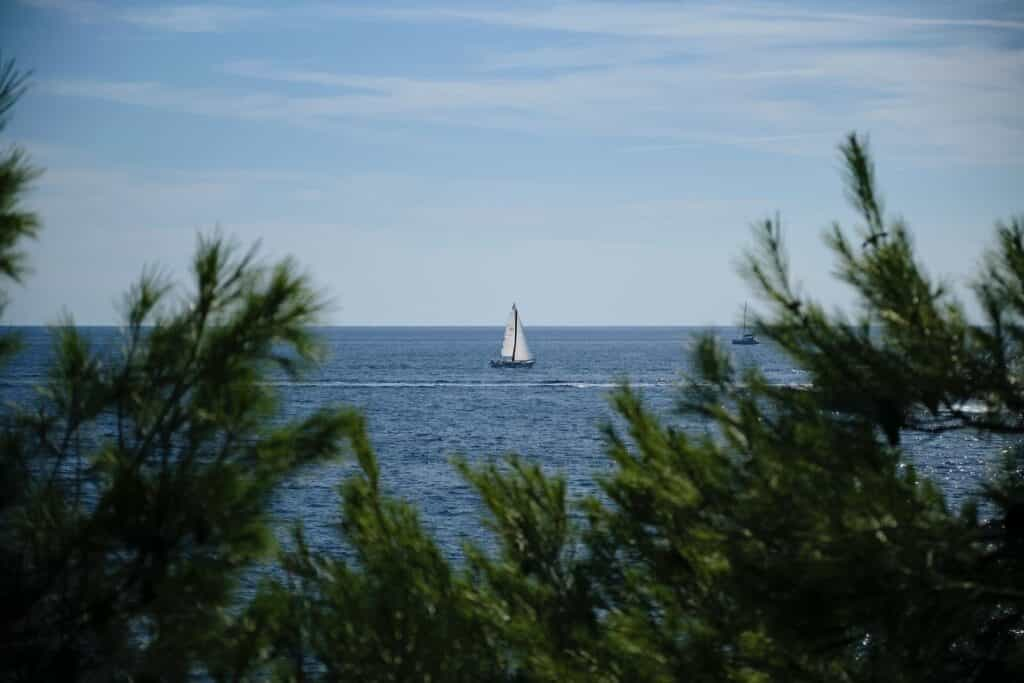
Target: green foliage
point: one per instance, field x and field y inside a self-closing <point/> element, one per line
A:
<point x="134" y="491"/>
<point x="398" y="612"/>
<point x="791" y="541"/>
<point x="158" y="463"/>
<point x="16" y="173"/>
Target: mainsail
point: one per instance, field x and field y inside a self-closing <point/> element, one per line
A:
<point x="514" y="346"/>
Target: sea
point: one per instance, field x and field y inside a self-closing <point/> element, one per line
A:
<point x="429" y="393"/>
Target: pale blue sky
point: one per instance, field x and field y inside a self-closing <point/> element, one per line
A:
<point x="597" y="162"/>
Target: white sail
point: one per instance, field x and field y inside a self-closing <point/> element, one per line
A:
<point x="522" y="350"/>
<point x="509" y="343"/>
<point x="514" y="346"/>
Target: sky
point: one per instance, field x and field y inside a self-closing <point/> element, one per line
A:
<point x="598" y="163"/>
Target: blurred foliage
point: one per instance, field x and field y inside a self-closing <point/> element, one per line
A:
<point x="16" y="174"/>
<point x="133" y="491"/>
<point x="791" y="541"/>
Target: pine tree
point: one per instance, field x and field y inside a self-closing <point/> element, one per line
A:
<point x="134" y="491"/>
<point x="794" y="541"/>
<point x="16" y="173"/>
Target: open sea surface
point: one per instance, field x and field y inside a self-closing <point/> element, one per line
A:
<point x="428" y="393"/>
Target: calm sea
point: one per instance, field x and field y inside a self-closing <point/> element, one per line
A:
<point x="429" y="393"/>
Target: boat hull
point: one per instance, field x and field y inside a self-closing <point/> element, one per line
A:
<point x="513" y="363"/>
<point x="745" y="342"/>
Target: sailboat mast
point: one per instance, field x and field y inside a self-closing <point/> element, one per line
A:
<point x="515" y="330"/>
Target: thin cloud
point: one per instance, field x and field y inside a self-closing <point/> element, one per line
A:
<point x="943" y="91"/>
<point x="954" y="99"/>
<point x="603" y="54"/>
<point x="192" y="18"/>
<point x="82" y="10"/>
<point x="180" y="18"/>
<point x="658" y="20"/>
<point x="763" y="22"/>
<point x="204" y="101"/>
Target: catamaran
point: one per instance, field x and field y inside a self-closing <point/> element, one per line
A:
<point x="747" y="338"/>
<point x="515" y="352"/>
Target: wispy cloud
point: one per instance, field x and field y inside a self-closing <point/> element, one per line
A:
<point x="697" y="21"/>
<point x="626" y="101"/>
<point x="700" y="75"/>
<point x="603" y="54"/>
<point x="639" y="119"/>
<point x="192" y="18"/>
<point x="183" y="18"/>
<point x="962" y="101"/>
<point x="82" y="10"/>
<point x="203" y="101"/>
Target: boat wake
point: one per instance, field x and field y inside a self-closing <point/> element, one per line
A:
<point x="445" y="384"/>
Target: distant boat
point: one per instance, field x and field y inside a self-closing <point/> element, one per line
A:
<point x="515" y="352"/>
<point x="747" y="338"/>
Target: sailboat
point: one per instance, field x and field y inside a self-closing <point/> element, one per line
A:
<point x="747" y="338"/>
<point x="515" y="352"/>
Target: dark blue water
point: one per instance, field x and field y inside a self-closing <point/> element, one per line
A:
<point x="429" y="393"/>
